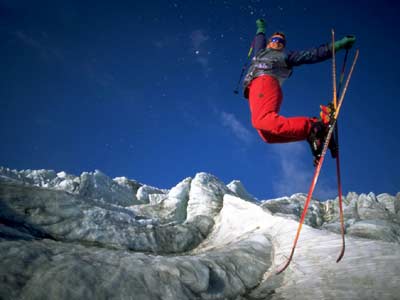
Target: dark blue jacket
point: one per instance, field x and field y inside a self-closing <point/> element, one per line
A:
<point x="279" y="64"/>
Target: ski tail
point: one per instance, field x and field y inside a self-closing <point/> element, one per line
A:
<point x="303" y="216"/>
<point x="342" y="227"/>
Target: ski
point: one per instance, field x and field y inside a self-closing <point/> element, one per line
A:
<point x="319" y="165"/>
<point x="336" y="137"/>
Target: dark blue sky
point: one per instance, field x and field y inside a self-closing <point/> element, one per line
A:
<point x="144" y="89"/>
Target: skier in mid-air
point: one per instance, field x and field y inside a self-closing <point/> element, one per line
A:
<point x="269" y="68"/>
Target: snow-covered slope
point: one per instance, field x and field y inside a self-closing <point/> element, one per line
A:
<point x="92" y="237"/>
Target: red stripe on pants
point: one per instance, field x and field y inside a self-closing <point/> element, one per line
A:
<point x="265" y="98"/>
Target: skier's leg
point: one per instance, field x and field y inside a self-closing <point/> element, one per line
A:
<point x="265" y="100"/>
<point x="283" y="130"/>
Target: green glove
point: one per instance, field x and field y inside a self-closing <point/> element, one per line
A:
<point x="345" y="43"/>
<point x="260" y="26"/>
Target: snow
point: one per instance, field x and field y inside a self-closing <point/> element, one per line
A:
<point x="91" y="236"/>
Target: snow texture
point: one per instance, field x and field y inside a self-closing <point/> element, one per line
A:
<point x="92" y="237"/>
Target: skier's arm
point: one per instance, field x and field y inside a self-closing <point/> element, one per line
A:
<point x="310" y="56"/>
<point x="260" y="41"/>
<point x="318" y="54"/>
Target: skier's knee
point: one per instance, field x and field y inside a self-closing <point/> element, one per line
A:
<point x="267" y="137"/>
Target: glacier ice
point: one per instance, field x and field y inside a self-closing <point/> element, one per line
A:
<point x="93" y="237"/>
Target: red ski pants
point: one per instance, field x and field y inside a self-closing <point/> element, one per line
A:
<point x="265" y="98"/>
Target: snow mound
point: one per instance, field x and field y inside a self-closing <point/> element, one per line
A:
<point x="92" y="237"/>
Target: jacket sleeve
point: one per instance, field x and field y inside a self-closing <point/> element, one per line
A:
<point x="260" y="42"/>
<point x="310" y="56"/>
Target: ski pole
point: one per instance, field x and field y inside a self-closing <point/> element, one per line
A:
<point x="236" y="90"/>
<point x="342" y="71"/>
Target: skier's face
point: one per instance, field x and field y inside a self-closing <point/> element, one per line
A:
<point x="276" y="42"/>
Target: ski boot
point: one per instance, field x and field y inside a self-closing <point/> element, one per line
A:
<point x="319" y="130"/>
<point x="327" y="116"/>
<point x="327" y="113"/>
<point x="316" y="140"/>
<point x="333" y="146"/>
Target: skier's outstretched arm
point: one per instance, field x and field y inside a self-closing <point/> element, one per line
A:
<point x="318" y="54"/>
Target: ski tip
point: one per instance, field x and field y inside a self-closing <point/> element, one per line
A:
<point x="340" y="256"/>
<point x="282" y="268"/>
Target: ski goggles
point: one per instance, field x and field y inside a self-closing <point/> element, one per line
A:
<point x="277" y="39"/>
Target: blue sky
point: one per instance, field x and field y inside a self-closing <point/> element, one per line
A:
<point x="145" y="90"/>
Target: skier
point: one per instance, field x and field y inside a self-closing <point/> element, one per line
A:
<point x="269" y="68"/>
